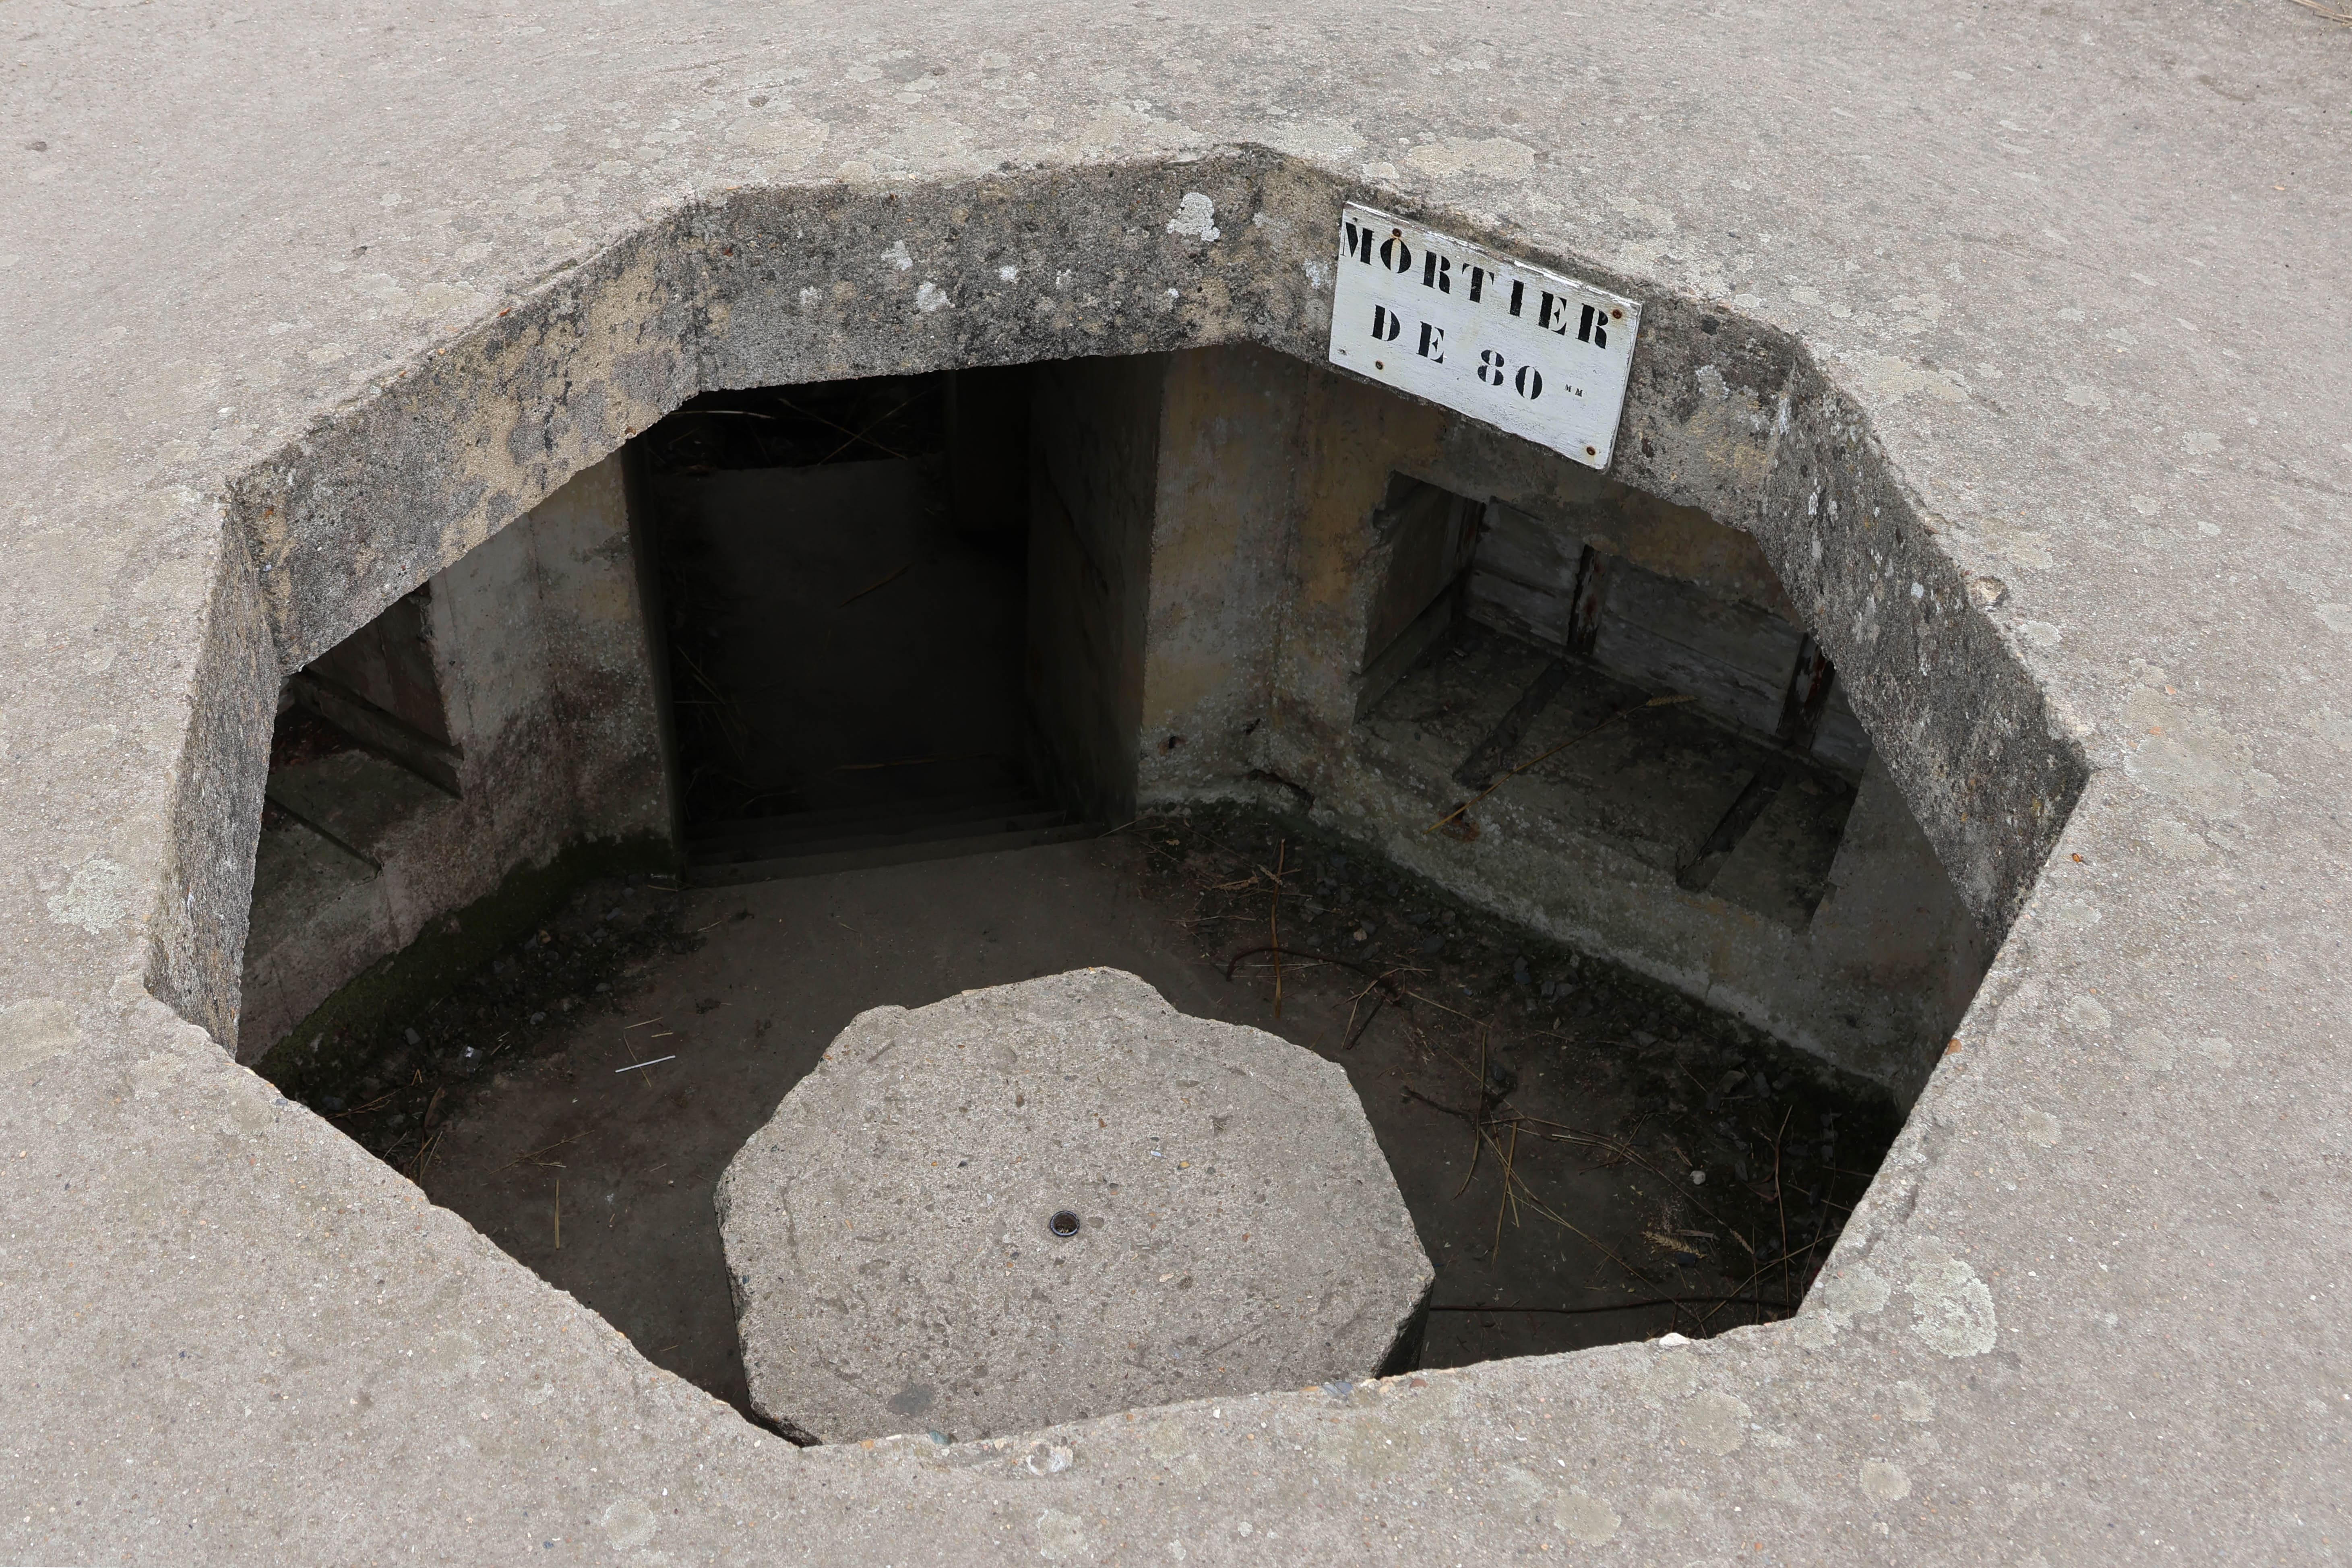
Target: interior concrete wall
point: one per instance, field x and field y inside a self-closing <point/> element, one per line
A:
<point x="1095" y="460"/>
<point x="1266" y="563"/>
<point x="1892" y="924"/>
<point x="543" y="653"/>
<point x="1229" y="425"/>
<point x="539" y="644"/>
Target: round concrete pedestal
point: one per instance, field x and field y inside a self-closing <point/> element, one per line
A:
<point x="1054" y="1200"/>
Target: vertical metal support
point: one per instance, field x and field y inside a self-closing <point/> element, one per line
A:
<point x="1808" y="697"/>
<point x="1584" y="606"/>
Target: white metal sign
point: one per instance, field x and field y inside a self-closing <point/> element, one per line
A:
<point x="1526" y="350"/>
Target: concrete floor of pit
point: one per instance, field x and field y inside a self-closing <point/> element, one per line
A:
<point x="630" y="1159"/>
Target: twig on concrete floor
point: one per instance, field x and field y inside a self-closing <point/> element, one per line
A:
<point x="634" y="1067"/>
<point x="535" y="1154"/>
<point x="1753" y="1274"/>
<point x="1514" y="1186"/>
<point x="1589" y="1239"/>
<point x="1477" y="1128"/>
<point x="424" y="1155"/>
<point x="1421" y="1039"/>
<point x="1444" y="1008"/>
<point x="1567" y="1134"/>
<point x="1508" y="1204"/>
<point x="1516" y="1120"/>
<point x="1780" y="1199"/>
<point x="1680" y="1189"/>
<point x="1821" y="1225"/>
<point x="2343" y="16"/>
<point x="1412" y="1093"/>
<point x="1378" y="977"/>
<point x="1355" y="1031"/>
<point x="1348" y="1033"/>
<point x="1273" y="922"/>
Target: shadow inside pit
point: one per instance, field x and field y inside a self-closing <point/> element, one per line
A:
<point x="1589" y="1157"/>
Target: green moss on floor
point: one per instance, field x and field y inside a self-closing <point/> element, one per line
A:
<point x="331" y="1045"/>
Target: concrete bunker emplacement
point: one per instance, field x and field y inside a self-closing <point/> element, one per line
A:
<point x="844" y="626"/>
<point x="2004" y="336"/>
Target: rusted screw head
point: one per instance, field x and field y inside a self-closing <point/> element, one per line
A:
<point x="1063" y="1223"/>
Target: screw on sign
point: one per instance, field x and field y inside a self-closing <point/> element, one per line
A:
<point x="1506" y="341"/>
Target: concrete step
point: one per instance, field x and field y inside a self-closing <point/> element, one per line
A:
<point x="768" y="834"/>
<point x="900" y="852"/>
<point x="912" y="829"/>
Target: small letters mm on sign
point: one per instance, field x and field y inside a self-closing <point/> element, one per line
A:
<point x="1524" y="350"/>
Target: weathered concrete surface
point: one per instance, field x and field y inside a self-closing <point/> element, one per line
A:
<point x="888" y="1231"/>
<point x="538" y="639"/>
<point x="1266" y="558"/>
<point x="300" y="306"/>
<point x="1872" y="981"/>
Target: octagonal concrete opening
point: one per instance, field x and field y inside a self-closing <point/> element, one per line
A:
<point x="1221" y="572"/>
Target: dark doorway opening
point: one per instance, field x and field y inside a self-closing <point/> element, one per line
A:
<point x="842" y="577"/>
